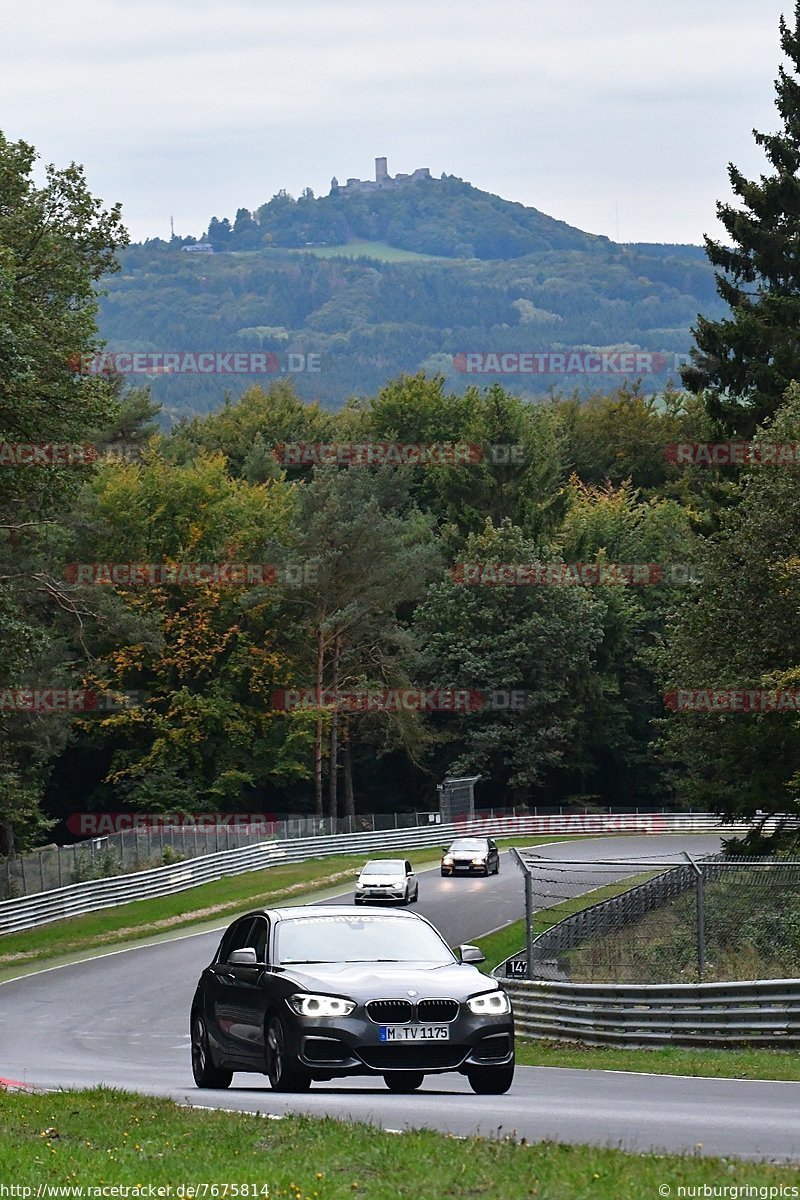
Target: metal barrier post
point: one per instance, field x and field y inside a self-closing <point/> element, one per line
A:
<point x="701" y="917"/>
<point x="528" y="925"/>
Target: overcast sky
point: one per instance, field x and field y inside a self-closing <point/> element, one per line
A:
<point x="618" y="116"/>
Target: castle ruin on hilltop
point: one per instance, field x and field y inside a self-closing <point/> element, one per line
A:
<point x="382" y="182"/>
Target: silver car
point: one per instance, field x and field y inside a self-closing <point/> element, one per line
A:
<point x="390" y="879"/>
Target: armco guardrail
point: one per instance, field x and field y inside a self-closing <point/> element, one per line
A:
<point x="77" y="898"/>
<point x="764" y="1012"/>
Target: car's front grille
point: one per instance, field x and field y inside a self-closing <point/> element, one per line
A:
<point x="390" y="1012"/>
<point x="425" y="1057"/>
<point x="400" y="1012"/>
<point x="437" y="1010"/>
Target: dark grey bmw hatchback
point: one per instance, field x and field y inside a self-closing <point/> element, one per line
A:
<point x="315" y="993"/>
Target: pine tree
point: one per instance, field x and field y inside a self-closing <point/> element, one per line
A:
<point x="745" y="362"/>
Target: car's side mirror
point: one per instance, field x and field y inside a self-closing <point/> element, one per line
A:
<point x="243" y="958"/>
<point x="471" y="954"/>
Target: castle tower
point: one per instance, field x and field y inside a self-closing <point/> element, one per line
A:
<point x="381" y="172"/>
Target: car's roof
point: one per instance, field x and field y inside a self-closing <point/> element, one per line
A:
<point x="295" y="911"/>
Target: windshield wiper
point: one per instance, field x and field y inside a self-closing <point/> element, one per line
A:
<point x="371" y="960"/>
<point x="294" y="962"/>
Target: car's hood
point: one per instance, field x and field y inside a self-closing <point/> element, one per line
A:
<point x="369" y="981"/>
<point x="379" y="880"/>
<point x="467" y="855"/>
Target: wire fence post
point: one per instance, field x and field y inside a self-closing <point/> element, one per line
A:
<point x="701" y="925"/>
<point x="701" y="916"/>
<point x="528" y="925"/>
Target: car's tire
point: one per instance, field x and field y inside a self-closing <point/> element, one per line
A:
<point x="497" y="867"/>
<point x="358" y="902"/>
<point x="206" y="1075"/>
<point x="490" y="1081"/>
<point x="445" y="872"/>
<point x="403" y="1081"/>
<point x="283" y="1072"/>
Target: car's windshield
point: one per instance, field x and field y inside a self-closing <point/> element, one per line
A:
<point x="388" y="866"/>
<point x="469" y="844"/>
<point x="368" y="938"/>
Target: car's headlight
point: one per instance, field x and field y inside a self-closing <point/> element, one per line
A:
<point x="308" y="1004"/>
<point x="490" y="1003"/>
<point x="448" y="860"/>
<point x="478" y="862"/>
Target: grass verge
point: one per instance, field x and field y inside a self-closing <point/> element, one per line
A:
<point x="756" y="1063"/>
<point x="109" y="1138"/>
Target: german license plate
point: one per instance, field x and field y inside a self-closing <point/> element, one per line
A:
<point x="414" y="1033"/>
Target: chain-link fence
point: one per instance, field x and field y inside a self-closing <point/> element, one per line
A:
<point x="643" y="921"/>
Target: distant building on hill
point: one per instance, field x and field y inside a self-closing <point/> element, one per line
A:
<point x="198" y="248"/>
<point x="382" y="182"/>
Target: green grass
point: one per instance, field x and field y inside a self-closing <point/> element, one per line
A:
<point x="381" y="251"/>
<point x="754" y="1063"/>
<point x="108" y="1138"/>
<point x="210" y="905"/>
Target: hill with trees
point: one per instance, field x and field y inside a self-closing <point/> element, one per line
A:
<point x="376" y="285"/>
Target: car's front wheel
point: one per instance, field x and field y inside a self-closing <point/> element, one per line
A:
<point x="206" y="1075"/>
<point x="490" y="1081"/>
<point x="403" y="1081"/>
<point x="284" y="1073"/>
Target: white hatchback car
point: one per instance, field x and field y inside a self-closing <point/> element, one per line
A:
<point x="387" y="879"/>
